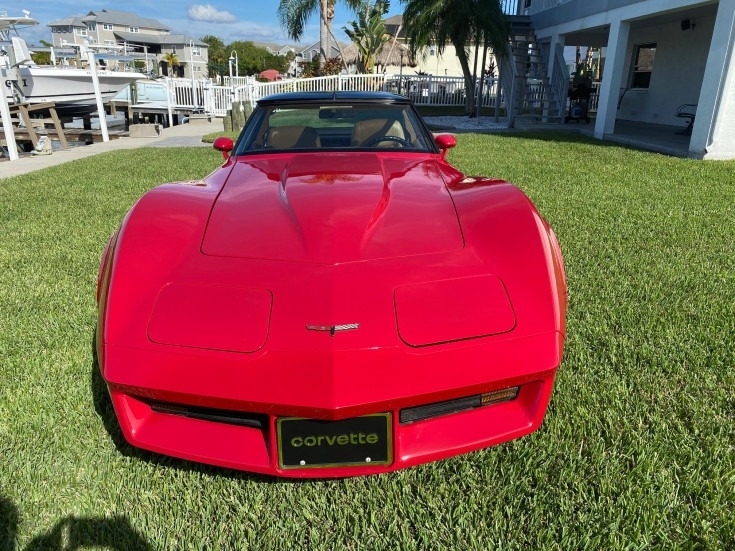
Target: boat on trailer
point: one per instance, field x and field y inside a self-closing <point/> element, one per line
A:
<point x="69" y="87"/>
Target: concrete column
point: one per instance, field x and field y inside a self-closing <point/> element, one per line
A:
<point x="713" y="135"/>
<point x="612" y="79"/>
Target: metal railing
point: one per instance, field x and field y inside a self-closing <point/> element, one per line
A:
<point x="516" y="7"/>
<point x="595" y="96"/>
<point x="543" y="5"/>
<point x="423" y="90"/>
<point x="426" y="90"/>
<point x="187" y="93"/>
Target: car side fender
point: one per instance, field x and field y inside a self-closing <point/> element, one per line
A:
<point x="160" y="232"/>
<point x="508" y="234"/>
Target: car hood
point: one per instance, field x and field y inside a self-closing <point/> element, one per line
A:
<point x="333" y="208"/>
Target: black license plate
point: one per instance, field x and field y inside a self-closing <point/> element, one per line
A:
<point x="308" y="443"/>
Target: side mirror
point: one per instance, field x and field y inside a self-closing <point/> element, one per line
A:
<point x="225" y="145"/>
<point x="445" y="142"/>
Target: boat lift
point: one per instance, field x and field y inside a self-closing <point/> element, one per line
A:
<point x="10" y="59"/>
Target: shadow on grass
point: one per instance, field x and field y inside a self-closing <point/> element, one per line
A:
<point x="103" y="407"/>
<point x="8" y="524"/>
<point x="71" y="533"/>
<point x="571" y="135"/>
<point x="559" y="135"/>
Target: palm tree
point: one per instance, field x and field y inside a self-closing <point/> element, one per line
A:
<point x="171" y="59"/>
<point x="42" y="58"/>
<point x="459" y="22"/>
<point x="369" y="34"/>
<point x="294" y="14"/>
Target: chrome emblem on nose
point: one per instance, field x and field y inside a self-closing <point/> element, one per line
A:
<point x="333" y="328"/>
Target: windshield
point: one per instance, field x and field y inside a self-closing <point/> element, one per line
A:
<point x="314" y="126"/>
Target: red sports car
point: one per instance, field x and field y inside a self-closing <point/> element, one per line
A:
<point x="336" y="299"/>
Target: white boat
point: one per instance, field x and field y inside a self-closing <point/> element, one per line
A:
<point x="150" y="94"/>
<point x="70" y="88"/>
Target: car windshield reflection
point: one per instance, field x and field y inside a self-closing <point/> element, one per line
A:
<point x="318" y="126"/>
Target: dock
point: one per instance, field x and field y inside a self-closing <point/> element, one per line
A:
<point x="32" y="126"/>
<point x="182" y="135"/>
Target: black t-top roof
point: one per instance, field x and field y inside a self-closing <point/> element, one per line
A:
<point x="337" y="97"/>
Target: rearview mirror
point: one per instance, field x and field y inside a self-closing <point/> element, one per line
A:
<point x="336" y="113"/>
<point x="445" y="142"/>
<point x="225" y="145"/>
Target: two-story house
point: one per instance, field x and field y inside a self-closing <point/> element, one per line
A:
<point x="429" y="60"/>
<point x="658" y="55"/>
<point x="147" y="40"/>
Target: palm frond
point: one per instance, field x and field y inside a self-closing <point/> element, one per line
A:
<point x="294" y="14"/>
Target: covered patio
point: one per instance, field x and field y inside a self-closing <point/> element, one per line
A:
<point x="661" y="138"/>
<point x="657" y="57"/>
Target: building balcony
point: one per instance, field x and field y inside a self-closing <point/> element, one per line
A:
<point x="579" y="8"/>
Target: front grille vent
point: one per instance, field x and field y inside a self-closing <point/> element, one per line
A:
<point x="240" y="418"/>
<point x="410" y="415"/>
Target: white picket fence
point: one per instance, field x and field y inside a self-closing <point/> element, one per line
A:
<point x="216" y="99"/>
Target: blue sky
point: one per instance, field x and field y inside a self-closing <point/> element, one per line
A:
<point x="254" y="20"/>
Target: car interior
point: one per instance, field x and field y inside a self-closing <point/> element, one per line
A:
<point x="317" y="127"/>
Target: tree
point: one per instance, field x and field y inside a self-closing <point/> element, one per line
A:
<point x="459" y="22"/>
<point x="42" y="58"/>
<point x="172" y="60"/>
<point x="369" y="34"/>
<point x="293" y="15"/>
<point x="252" y="59"/>
<point x="217" y="55"/>
<point x="332" y="66"/>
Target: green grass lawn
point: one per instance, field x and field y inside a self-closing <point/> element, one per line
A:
<point x="637" y="450"/>
<point x="209" y="138"/>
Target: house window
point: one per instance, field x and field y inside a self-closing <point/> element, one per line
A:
<point x="109" y="42"/>
<point x="81" y="32"/>
<point x="92" y="27"/>
<point x="107" y="26"/>
<point x="173" y="49"/>
<point x="133" y="29"/>
<point x="195" y="51"/>
<point x="643" y="65"/>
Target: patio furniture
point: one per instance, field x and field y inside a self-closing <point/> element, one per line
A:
<point x="579" y="100"/>
<point x="687" y="111"/>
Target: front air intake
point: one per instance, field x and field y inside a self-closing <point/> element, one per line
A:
<point x="210" y="414"/>
<point x="419" y="413"/>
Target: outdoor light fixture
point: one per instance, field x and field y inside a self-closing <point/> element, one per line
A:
<point x="230" y="62"/>
<point x="233" y="59"/>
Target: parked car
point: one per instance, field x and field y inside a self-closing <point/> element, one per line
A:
<point x="336" y="299"/>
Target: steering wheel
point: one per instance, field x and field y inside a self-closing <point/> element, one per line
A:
<point x="395" y="139"/>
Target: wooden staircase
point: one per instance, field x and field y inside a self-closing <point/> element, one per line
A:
<point x="533" y="99"/>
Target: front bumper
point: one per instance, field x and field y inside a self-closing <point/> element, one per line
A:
<point x="255" y="448"/>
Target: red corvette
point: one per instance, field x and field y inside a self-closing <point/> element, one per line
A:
<point x="336" y="299"/>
